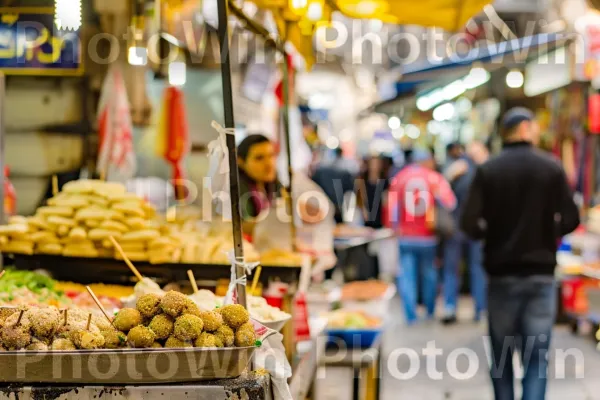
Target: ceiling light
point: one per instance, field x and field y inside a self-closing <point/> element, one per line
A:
<point x="332" y="142"/>
<point x="394" y="122"/>
<point x="443" y="112"/>
<point x="514" y="79"/>
<point x="412" y="131"/>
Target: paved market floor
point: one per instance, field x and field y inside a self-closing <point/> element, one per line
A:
<point x="460" y="370"/>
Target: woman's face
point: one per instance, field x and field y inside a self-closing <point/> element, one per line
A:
<point x="260" y="163"/>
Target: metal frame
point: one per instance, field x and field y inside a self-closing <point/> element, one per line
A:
<point x="222" y="33"/>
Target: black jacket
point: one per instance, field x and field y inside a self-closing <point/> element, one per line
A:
<point x="520" y="203"/>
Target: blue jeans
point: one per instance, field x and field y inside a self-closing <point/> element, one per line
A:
<point x="521" y="315"/>
<point x="453" y="251"/>
<point x="417" y="257"/>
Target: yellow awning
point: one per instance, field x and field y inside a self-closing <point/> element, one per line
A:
<point x="451" y="15"/>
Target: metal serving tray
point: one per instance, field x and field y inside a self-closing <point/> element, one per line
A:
<point x="127" y="366"/>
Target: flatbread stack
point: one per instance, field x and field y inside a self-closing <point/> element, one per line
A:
<point x="79" y="221"/>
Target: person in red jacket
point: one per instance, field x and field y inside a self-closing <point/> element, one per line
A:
<point x="412" y="197"/>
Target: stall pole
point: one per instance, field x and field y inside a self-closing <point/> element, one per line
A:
<point x="286" y="131"/>
<point x="223" y="35"/>
<point x="2" y="134"/>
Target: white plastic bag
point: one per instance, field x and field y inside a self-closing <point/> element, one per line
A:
<point x="271" y="357"/>
<point x="218" y="171"/>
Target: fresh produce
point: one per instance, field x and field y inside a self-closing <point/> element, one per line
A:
<point x="29" y="288"/>
<point x="342" y="319"/>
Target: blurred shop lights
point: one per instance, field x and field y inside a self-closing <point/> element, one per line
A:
<point x="398" y="133"/>
<point x="514" y="79"/>
<point x="137" y="56"/>
<point x="314" y="12"/>
<point x="412" y="131"/>
<point x="332" y="142"/>
<point x="394" y="122"/>
<point x="177" y="73"/>
<point x="67" y="14"/>
<point x="476" y="77"/>
<point x="298" y="7"/>
<point x="444" y="112"/>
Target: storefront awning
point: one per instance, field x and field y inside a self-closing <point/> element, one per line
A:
<point x="512" y="52"/>
<point x="451" y="15"/>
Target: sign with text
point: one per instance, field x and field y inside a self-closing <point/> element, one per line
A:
<point x="30" y="44"/>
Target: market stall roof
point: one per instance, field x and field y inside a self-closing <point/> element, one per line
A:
<point x="510" y="52"/>
<point x="451" y="15"/>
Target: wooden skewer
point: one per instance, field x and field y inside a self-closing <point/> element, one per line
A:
<point x="192" y="280"/>
<point x="2" y="273"/>
<point x="20" y="316"/>
<point x="66" y="317"/>
<point x="126" y="259"/>
<point x="91" y="292"/>
<point x="103" y="175"/>
<point x="54" y="185"/>
<point x="87" y="327"/>
<point x="255" y="280"/>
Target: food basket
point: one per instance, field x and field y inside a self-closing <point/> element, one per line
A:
<point x="128" y="366"/>
<point x="354" y="338"/>
<point x="274" y="325"/>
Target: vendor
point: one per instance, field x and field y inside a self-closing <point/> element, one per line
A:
<point x="256" y="158"/>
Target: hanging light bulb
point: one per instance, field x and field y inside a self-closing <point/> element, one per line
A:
<point x="298" y="7"/>
<point x="67" y="14"/>
<point x="514" y="79"/>
<point x="314" y="11"/>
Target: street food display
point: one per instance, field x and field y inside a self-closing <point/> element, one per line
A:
<point x="344" y="319"/>
<point x="364" y="290"/>
<point x="171" y="321"/>
<point x="80" y="220"/>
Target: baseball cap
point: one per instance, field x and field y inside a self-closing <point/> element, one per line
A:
<point x="515" y="116"/>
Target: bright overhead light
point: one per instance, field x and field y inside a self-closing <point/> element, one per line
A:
<point x="443" y="112"/>
<point x="412" y="131"/>
<point x="67" y="14"/>
<point x="434" y="127"/>
<point x="398" y="133"/>
<point x="394" y="122"/>
<point x="137" y="56"/>
<point x="177" y="73"/>
<point x="477" y="77"/>
<point x="514" y="79"/>
<point x="332" y="142"/>
<point x="315" y="11"/>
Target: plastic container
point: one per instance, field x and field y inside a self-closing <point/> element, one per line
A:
<point x="378" y="307"/>
<point x="354" y="338"/>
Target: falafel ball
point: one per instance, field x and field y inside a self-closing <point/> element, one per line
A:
<point x="62" y="345"/>
<point x="212" y="320"/>
<point x="206" y="340"/>
<point x="114" y="339"/>
<point x="87" y="340"/>
<point x="36" y="345"/>
<point x="174" y="343"/>
<point x="148" y="305"/>
<point x="16" y="337"/>
<point x="188" y="327"/>
<point x="245" y="337"/>
<point x="191" y="308"/>
<point x="127" y="319"/>
<point x="44" y="321"/>
<point x="162" y="326"/>
<point x="226" y="335"/>
<point x="6" y="312"/>
<point x="101" y="322"/>
<point x="140" y="337"/>
<point x="173" y="303"/>
<point x="156" y="345"/>
<point x="234" y="315"/>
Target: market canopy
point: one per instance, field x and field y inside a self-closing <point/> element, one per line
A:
<point x="297" y="20"/>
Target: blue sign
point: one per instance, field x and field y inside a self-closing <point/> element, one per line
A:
<point x="30" y="44"/>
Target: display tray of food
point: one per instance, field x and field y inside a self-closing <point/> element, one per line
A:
<point x="354" y="329"/>
<point x="165" y="337"/>
<point x="111" y="271"/>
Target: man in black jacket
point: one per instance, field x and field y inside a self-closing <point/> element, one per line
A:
<point x="520" y="204"/>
